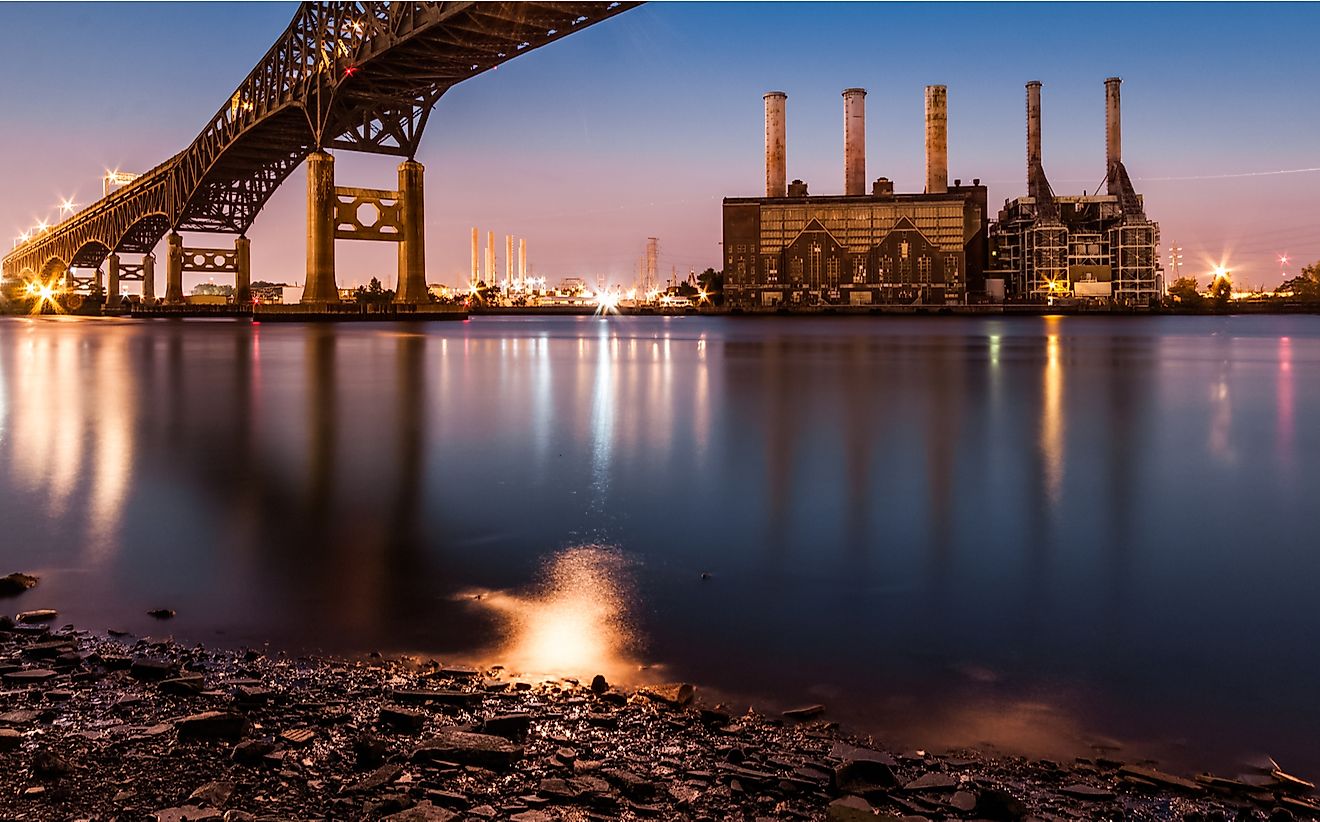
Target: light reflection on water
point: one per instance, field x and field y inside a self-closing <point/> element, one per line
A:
<point x="952" y="531"/>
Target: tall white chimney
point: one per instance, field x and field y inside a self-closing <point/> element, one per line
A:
<point x="776" y="163"/>
<point x="854" y="141"/>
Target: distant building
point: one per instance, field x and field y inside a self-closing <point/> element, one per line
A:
<point x="1097" y="247"/>
<point x="882" y="248"/>
<point x="792" y="250"/>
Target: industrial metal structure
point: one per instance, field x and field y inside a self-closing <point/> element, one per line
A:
<point x="789" y="249"/>
<point x="1098" y="247"/>
<point x="358" y="76"/>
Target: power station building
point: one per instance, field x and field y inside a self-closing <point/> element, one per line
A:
<point x="789" y="249"/>
<point x="1099" y="247"/>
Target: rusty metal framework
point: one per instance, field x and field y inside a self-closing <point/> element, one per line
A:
<point x="386" y="208"/>
<point x="356" y="76"/>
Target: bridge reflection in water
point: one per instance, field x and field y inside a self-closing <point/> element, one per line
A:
<point x="933" y="527"/>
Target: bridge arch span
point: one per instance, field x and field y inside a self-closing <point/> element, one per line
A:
<point x="90" y="254"/>
<point x="142" y="236"/>
<point x="53" y="268"/>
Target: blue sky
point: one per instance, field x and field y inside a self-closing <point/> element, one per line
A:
<point x="638" y="126"/>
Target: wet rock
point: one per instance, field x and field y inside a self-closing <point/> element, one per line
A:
<point x="377" y="779"/>
<point x="29" y="676"/>
<point x="999" y="805"/>
<point x="632" y="785"/>
<point x="677" y="693"/>
<point x="10" y="739"/>
<point x="510" y="726"/>
<point x="238" y="816"/>
<point x="152" y="670"/>
<point x="298" y="736"/>
<point x="467" y="748"/>
<point x="864" y="776"/>
<point x="46" y="764"/>
<point x="161" y="613"/>
<point x="934" y="781"/>
<point x="19" y="717"/>
<point x="852" y="753"/>
<point x="964" y="801"/>
<point x="422" y="812"/>
<point x="1077" y="790"/>
<point x="715" y="717"/>
<point x="252" y="751"/>
<point x="369" y="751"/>
<point x="213" y="794"/>
<point x="187" y="813"/>
<point x="805" y="712"/>
<point x="11" y="585"/>
<point x="212" y="725"/>
<point x="401" y="719"/>
<point x="39" y="615"/>
<point x="850" y="809"/>
<point x="462" y="699"/>
<point x="187" y="685"/>
<point x="1160" y="778"/>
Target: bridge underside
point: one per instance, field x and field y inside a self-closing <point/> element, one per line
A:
<point x="355" y="77"/>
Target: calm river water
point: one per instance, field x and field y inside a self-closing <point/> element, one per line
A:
<point x="1044" y="534"/>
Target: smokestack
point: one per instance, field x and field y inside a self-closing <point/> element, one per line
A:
<point x="522" y="259"/>
<point x="854" y="141"/>
<point x="1033" y="128"/>
<point x="776" y="167"/>
<point x="490" y="258"/>
<point x="1113" y="130"/>
<point x="508" y="261"/>
<point x="476" y="265"/>
<point x="937" y="139"/>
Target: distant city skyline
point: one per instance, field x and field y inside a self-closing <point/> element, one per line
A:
<point x="639" y="126"/>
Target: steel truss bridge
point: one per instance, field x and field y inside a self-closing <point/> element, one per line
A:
<point x="344" y="76"/>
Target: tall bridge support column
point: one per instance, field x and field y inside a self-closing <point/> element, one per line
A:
<point x="99" y="287"/>
<point x="112" y="293"/>
<point x="149" y="279"/>
<point x="412" y="243"/>
<point x="174" y="270"/>
<point x="243" y="271"/>
<point x="320" y="286"/>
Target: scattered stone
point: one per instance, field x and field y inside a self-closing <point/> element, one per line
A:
<point x="850" y="809"/>
<point x="466" y="748"/>
<point x="377" y="779"/>
<point x="1080" y="791"/>
<point x="46" y="764"/>
<point x="512" y="726"/>
<point x="161" y="613"/>
<point x="39" y="615"/>
<point x="187" y="813"/>
<point x="934" y="781"/>
<point x="30" y="676"/>
<point x="10" y="739"/>
<point x="212" y="725"/>
<point x="864" y="776"/>
<point x="298" y="736"/>
<point x="186" y="685"/>
<point x="677" y="694"/>
<point x="252" y="751"/>
<point x="422" y="812"/>
<point x="152" y="670"/>
<point x="599" y="685"/>
<point x="462" y="699"/>
<point x="964" y="801"/>
<point x="12" y="585"/>
<point x="805" y="712"/>
<point x="402" y="719"/>
<point x="1160" y="778"/>
<point x="1000" y="805"/>
<point x="213" y="794"/>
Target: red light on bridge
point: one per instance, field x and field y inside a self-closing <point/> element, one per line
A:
<point x="350" y="71"/>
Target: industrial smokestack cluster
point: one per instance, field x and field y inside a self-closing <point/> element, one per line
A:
<point x="1113" y="134"/>
<point x="854" y="142"/>
<point x="485" y="267"/>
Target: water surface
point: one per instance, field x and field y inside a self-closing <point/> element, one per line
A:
<point x="1039" y="533"/>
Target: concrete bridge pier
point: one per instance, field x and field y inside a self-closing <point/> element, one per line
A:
<point x="149" y="279"/>
<point x="320" y="286"/>
<point x="412" y="243"/>
<point x="174" y="270"/>
<point x="112" y="292"/>
<point x="242" y="271"/>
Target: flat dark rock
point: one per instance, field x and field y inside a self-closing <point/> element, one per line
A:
<point x="212" y="725"/>
<point x="1160" y="778"/>
<point x="467" y="748"/>
<point x="421" y="812"/>
<point x="851" y="753"/>
<point x="30" y="675"/>
<point x="933" y="781"/>
<point x="677" y="693"/>
<point x="39" y="615"/>
<point x="149" y="669"/>
<point x="402" y="719"/>
<point x="441" y="697"/>
<point x="805" y="712"/>
<point x="1082" y="791"/>
<point x="11" y="585"/>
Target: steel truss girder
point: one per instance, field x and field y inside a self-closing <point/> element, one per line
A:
<point x="361" y="76"/>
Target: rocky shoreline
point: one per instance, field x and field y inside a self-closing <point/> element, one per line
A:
<point x="117" y="728"/>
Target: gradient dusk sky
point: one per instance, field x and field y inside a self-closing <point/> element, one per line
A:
<point x="636" y="127"/>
